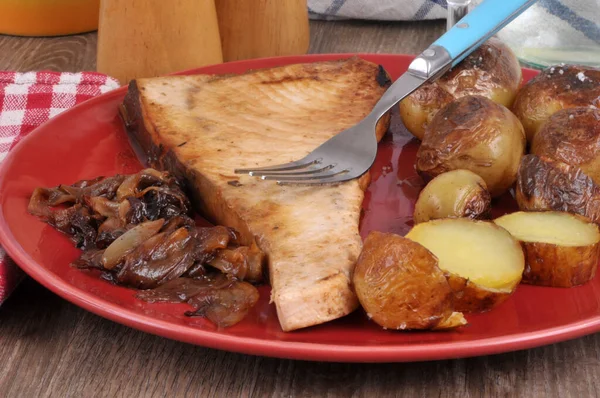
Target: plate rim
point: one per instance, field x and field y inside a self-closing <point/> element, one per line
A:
<point x="270" y="347"/>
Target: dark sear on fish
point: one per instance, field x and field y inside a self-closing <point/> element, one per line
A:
<point x="138" y="231"/>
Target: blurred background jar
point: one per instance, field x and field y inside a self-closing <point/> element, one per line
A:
<point x="262" y="28"/>
<point x="145" y="38"/>
<point x="48" y="17"/>
<point x="555" y="31"/>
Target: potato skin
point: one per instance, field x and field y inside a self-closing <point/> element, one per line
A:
<point x="474" y="297"/>
<point x="400" y="286"/>
<point x="455" y="194"/>
<point x="549" y="264"/>
<point x="475" y="134"/>
<point x="556" y="88"/>
<point x="492" y="71"/>
<point x="418" y="109"/>
<point x="572" y="136"/>
<point x="559" y="266"/>
<point x="471" y="297"/>
<point x="545" y="184"/>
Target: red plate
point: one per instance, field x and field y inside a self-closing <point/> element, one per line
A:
<point x="89" y="140"/>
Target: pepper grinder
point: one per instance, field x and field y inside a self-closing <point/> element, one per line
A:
<point x="262" y="28"/>
<point x="146" y="38"/>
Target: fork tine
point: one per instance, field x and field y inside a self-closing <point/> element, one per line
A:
<point x="339" y="178"/>
<point x="293" y="172"/>
<point x="298" y="164"/>
<point x="314" y="176"/>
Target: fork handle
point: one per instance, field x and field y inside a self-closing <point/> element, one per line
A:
<point x="451" y="48"/>
<point x="479" y="25"/>
<point x="467" y="35"/>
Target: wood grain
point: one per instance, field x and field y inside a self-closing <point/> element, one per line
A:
<point x="65" y="54"/>
<point x="51" y="348"/>
<point x="77" y="53"/>
<point x="251" y="29"/>
<point x="374" y="37"/>
<point x="148" y="51"/>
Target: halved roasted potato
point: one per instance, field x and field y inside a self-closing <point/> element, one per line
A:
<point x="482" y="261"/>
<point x="492" y="71"/>
<point x="476" y="134"/>
<point x="556" y="88"/>
<point x="455" y="194"/>
<point x="561" y="249"/>
<point x="545" y="184"/>
<point x="400" y="286"/>
<point x="572" y="136"/>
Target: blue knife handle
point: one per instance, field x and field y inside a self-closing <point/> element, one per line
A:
<point x="479" y="25"/>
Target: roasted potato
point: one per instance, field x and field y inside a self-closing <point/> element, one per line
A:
<point x="561" y="249"/>
<point x="545" y="184"/>
<point x="556" y="88"/>
<point x="476" y="134"/>
<point x="455" y="194"/>
<point x="400" y="286"/>
<point x="572" y="136"/>
<point x="482" y="261"/>
<point x="492" y="71"/>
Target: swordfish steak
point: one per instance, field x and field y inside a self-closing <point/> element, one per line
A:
<point x="202" y="127"/>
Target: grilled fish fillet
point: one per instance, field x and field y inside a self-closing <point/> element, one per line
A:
<point x="203" y="127"/>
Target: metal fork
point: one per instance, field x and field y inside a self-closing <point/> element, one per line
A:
<point x="351" y="153"/>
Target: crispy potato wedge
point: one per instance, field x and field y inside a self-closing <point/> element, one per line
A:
<point x="455" y="194"/>
<point x="492" y="71"/>
<point x="545" y="184"/>
<point x="475" y="134"/>
<point x="400" y="286"/>
<point x="482" y="261"/>
<point x="572" y="136"/>
<point x="561" y="249"/>
<point x="471" y="297"/>
<point x="556" y="88"/>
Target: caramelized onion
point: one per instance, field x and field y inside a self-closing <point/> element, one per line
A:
<point x="129" y="241"/>
<point x="164" y="202"/>
<point x="196" y="271"/>
<point x="178" y="222"/>
<point x="227" y="306"/>
<point x="223" y="301"/>
<point x="89" y="259"/>
<point x="128" y="187"/>
<point x="57" y="197"/>
<point x="256" y="262"/>
<point x="181" y="290"/>
<point x="137" y="230"/>
<point x="108" y="231"/>
<point x="213" y="238"/>
<point x="38" y="204"/>
<point x="158" y="260"/>
<point x="243" y="263"/>
<point x="106" y="187"/>
<point x="135" y="183"/>
<point x="103" y="206"/>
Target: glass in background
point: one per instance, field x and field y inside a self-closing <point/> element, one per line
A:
<point x="555" y="31"/>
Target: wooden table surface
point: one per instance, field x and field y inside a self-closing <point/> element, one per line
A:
<point x="49" y="347"/>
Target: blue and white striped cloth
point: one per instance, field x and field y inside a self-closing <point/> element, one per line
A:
<point x="548" y="20"/>
<point x="550" y="31"/>
<point x="568" y="25"/>
<point x="386" y="10"/>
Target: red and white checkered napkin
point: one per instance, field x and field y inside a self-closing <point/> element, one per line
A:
<point x="28" y="100"/>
